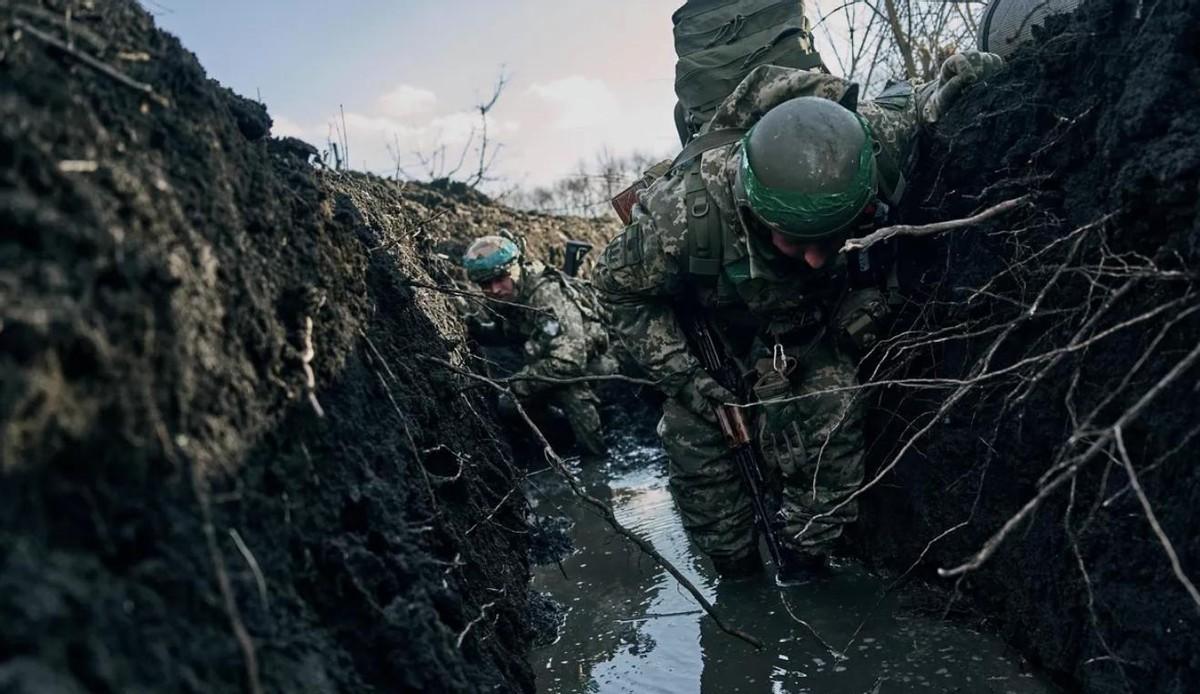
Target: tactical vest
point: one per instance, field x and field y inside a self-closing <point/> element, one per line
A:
<point x="584" y="298"/>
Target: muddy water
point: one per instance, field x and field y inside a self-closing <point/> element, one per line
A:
<point x="630" y="628"/>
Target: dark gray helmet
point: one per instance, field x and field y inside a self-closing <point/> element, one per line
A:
<point x="807" y="169"/>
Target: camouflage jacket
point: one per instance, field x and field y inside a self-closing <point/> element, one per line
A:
<point x="643" y="276"/>
<point x="560" y="332"/>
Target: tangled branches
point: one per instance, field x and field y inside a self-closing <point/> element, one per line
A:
<point x="1066" y="346"/>
<point x="1069" y="353"/>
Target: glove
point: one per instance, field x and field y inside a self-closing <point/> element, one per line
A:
<point x="780" y="438"/>
<point x="957" y="73"/>
<point x="701" y="395"/>
<point x="525" y="388"/>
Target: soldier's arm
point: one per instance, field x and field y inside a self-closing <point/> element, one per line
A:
<point x="901" y="109"/>
<point x="640" y="281"/>
<point x="559" y="342"/>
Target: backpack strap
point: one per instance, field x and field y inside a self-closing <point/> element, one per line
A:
<point x="896" y="96"/>
<point x="892" y="182"/>
<point x="703" y="227"/>
<point x="705" y="142"/>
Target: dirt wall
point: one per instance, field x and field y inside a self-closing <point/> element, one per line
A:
<point x="225" y="466"/>
<point x="1041" y="333"/>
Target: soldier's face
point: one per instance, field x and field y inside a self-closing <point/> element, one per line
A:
<point x="815" y="255"/>
<point x="502" y="288"/>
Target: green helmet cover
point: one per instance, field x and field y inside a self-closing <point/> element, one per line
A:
<point x="489" y="257"/>
<point x="811" y="216"/>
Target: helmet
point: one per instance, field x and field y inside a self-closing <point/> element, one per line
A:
<point x="807" y="169"/>
<point x="489" y="257"/>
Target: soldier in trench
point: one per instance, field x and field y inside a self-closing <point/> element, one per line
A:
<point x="744" y="230"/>
<point x="559" y="334"/>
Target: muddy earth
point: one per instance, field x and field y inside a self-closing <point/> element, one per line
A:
<point x="1101" y="126"/>
<point x="225" y="465"/>
<point x="230" y="459"/>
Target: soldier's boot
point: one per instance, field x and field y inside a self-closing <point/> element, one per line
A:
<point x="800" y="568"/>
<point x="741" y="567"/>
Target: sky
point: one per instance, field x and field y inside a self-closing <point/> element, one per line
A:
<point x="583" y="75"/>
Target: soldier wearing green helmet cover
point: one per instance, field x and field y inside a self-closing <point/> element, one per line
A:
<point x="536" y="308"/>
<point x="744" y="231"/>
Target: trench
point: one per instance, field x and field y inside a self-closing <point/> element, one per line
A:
<point x="628" y="627"/>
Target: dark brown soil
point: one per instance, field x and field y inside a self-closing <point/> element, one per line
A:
<point x="1101" y="118"/>
<point x="155" y="304"/>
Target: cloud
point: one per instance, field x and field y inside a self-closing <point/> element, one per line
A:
<point x="580" y="102"/>
<point x="406" y="100"/>
<point x="286" y="127"/>
<point x="401" y="122"/>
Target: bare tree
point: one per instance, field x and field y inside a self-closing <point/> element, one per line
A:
<point x="440" y="163"/>
<point x="587" y="191"/>
<point x="871" y="41"/>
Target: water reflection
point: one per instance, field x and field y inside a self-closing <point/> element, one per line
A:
<point x="630" y="628"/>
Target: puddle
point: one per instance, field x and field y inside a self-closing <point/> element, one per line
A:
<point x="630" y="628"/>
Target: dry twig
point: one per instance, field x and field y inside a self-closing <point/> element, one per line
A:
<point x="606" y="512"/>
<point x="1167" y="546"/>
<point x="259" y="579"/>
<point x="1099" y="444"/>
<point x="224" y="585"/>
<point x="931" y="229"/>
<point x="94" y="63"/>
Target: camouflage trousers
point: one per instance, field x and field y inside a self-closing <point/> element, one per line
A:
<point x="812" y="444"/>
<point x="582" y="410"/>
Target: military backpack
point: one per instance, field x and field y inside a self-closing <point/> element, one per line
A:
<point x="719" y="42"/>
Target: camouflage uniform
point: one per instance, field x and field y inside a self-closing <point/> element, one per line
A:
<point x="761" y="303"/>
<point x="562" y="339"/>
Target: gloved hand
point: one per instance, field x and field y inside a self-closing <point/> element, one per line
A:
<point x="702" y="395"/>
<point x="957" y="73"/>
<point x="524" y="387"/>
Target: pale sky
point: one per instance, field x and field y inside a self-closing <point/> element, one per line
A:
<point x="583" y="74"/>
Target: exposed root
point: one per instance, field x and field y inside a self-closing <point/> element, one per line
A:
<point x="94" y="63"/>
<point x="307" y="354"/>
<point x="931" y="229"/>
<point x="606" y="512"/>
<point x="259" y="579"/>
<point x="467" y="629"/>
<point x="1101" y="442"/>
<point x="224" y="585"/>
<point x="1167" y="546"/>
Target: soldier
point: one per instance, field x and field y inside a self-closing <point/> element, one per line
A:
<point x="745" y="230"/>
<point x="561" y="336"/>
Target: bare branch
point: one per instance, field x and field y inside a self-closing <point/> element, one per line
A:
<point x="1152" y="518"/>
<point x="934" y="228"/>
<point x="605" y="511"/>
<point x="1100" y="443"/>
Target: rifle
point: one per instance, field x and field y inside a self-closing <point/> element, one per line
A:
<point x="725" y="371"/>
<point x="573" y="256"/>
